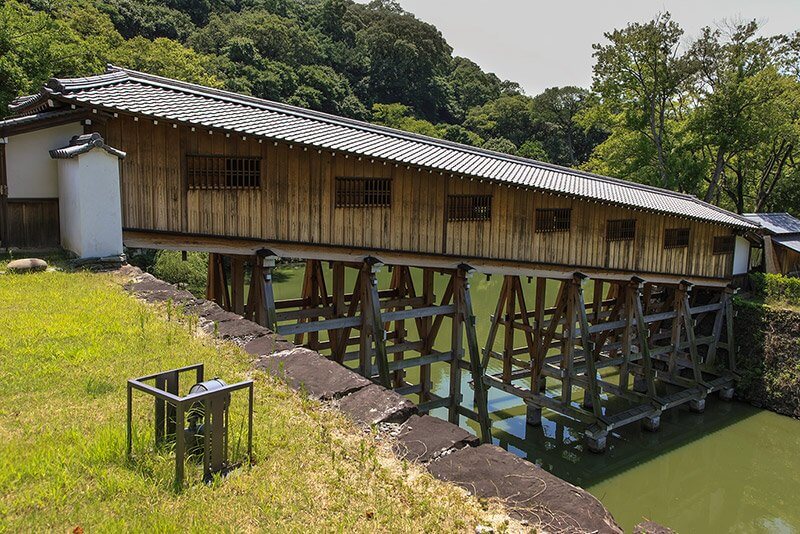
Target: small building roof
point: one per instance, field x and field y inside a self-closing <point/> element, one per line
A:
<point x="791" y="241"/>
<point x="81" y="144"/>
<point x="776" y="223"/>
<point x="128" y="91"/>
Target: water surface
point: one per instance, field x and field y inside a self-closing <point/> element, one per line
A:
<point x="734" y="468"/>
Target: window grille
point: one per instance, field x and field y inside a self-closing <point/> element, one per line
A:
<point x="676" y="237"/>
<point x="362" y="192"/>
<point x="621" y="230"/>
<point x="553" y="220"/>
<point x="469" y="207"/>
<point x="724" y="244"/>
<point x="223" y="172"/>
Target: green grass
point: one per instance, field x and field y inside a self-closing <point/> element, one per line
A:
<point x="68" y="344"/>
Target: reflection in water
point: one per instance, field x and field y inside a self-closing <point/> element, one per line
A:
<point x="732" y="469"/>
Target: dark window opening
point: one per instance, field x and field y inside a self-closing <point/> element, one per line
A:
<point x="553" y="220"/>
<point x="724" y="244"/>
<point x="362" y="192"/>
<point x="676" y="238"/>
<point x="621" y="230"/>
<point x="223" y="172"/>
<point x="469" y="207"/>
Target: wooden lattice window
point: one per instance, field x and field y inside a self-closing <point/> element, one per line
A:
<point x="724" y="244"/>
<point x="223" y="172"/>
<point x="553" y="220"/>
<point x="363" y="192"/>
<point x="469" y="207"/>
<point x="621" y="230"/>
<point x="676" y="238"/>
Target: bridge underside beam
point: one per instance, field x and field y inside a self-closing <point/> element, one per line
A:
<point x="577" y="358"/>
<point x="137" y="238"/>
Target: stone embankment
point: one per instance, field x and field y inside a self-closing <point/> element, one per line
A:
<point x="447" y="451"/>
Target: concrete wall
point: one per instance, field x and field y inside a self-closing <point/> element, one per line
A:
<point x="90" y="205"/>
<point x="31" y="173"/>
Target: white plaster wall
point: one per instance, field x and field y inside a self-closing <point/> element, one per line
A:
<point x="91" y="217"/>
<point x="69" y="209"/>
<point x="31" y="172"/>
<point x="741" y="256"/>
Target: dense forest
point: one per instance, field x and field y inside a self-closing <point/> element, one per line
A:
<point x="718" y="116"/>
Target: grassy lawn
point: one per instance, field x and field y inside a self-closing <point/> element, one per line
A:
<point x="68" y="344"/>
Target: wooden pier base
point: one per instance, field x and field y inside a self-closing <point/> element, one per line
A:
<point x="366" y="327"/>
<point x="653" y="334"/>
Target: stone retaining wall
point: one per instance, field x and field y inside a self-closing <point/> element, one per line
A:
<point x="447" y="451"/>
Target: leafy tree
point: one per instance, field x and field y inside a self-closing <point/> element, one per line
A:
<point x="165" y="57"/>
<point x="470" y="86"/>
<point x="136" y="18"/>
<point x="509" y="117"/>
<point x="533" y="150"/>
<point x="640" y="75"/>
<point x="500" y="144"/>
<point x="745" y="106"/>
<point x="558" y="135"/>
<point x="408" y="59"/>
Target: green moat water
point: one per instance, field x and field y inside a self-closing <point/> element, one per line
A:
<point x="734" y="468"/>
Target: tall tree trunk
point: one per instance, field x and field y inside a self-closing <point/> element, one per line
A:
<point x="719" y="166"/>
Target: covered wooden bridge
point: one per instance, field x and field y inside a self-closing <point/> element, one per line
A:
<point x="642" y="313"/>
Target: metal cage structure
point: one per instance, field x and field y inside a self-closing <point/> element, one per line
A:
<point x="207" y="401"/>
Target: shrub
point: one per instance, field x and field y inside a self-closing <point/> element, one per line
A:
<point x="777" y="288"/>
<point x="170" y="267"/>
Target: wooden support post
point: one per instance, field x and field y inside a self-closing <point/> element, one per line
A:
<point x="627" y="295"/>
<point x="497" y="318"/>
<point x="588" y="346"/>
<point x="337" y="351"/>
<point x="468" y="317"/>
<point x="688" y="323"/>
<point x="268" y="260"/>
<point x="675" y="337"/>
<point x="237" y="284"/>
<point x="642" y="335"/>
<point x="372" y="332"/>
<point x="425" y="334"/>
<point x="456" y="347"/>
<point x="731" y="338"/>
<point x="538" y="319"/>
<point x="568" y="344"/>
<point x="508" y="320"/>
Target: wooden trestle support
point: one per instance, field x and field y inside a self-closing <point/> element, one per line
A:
<point x="370" y="321"/>
<point x="631" y="329"/>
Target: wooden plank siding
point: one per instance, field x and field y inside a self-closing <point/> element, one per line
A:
<point x="295" y="203"/>
<point x="32" y="223"/>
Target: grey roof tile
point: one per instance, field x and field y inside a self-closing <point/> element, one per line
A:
<point x="123" y="90"/>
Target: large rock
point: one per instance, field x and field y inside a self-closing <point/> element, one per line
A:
<point x="308" y="371"/>
<point x="528" y="491"/>
<point x="267" y="344"/>
<point x="26" y="265"/>
<point x="151" y="289"/>
<point x="425" y="438"/>
<point x="375" y="404"/>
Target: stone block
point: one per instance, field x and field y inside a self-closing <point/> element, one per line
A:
<point x="26" y="265"/>
<point x="267" y="344"/>
<point x="375" y="404"/>
<point x="425" y="438"/>
<point x="528" y="491"/>
<point x="307" y="370"/>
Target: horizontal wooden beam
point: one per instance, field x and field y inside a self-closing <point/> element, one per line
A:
<point x="155" y="239"/>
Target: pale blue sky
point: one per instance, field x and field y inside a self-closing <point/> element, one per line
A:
<point x="542" y="44"/>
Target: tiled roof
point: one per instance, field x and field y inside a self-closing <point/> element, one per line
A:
<point x="127" y="91"/>
<point x="81" y="144"/>
<point x="776" y="223"/>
